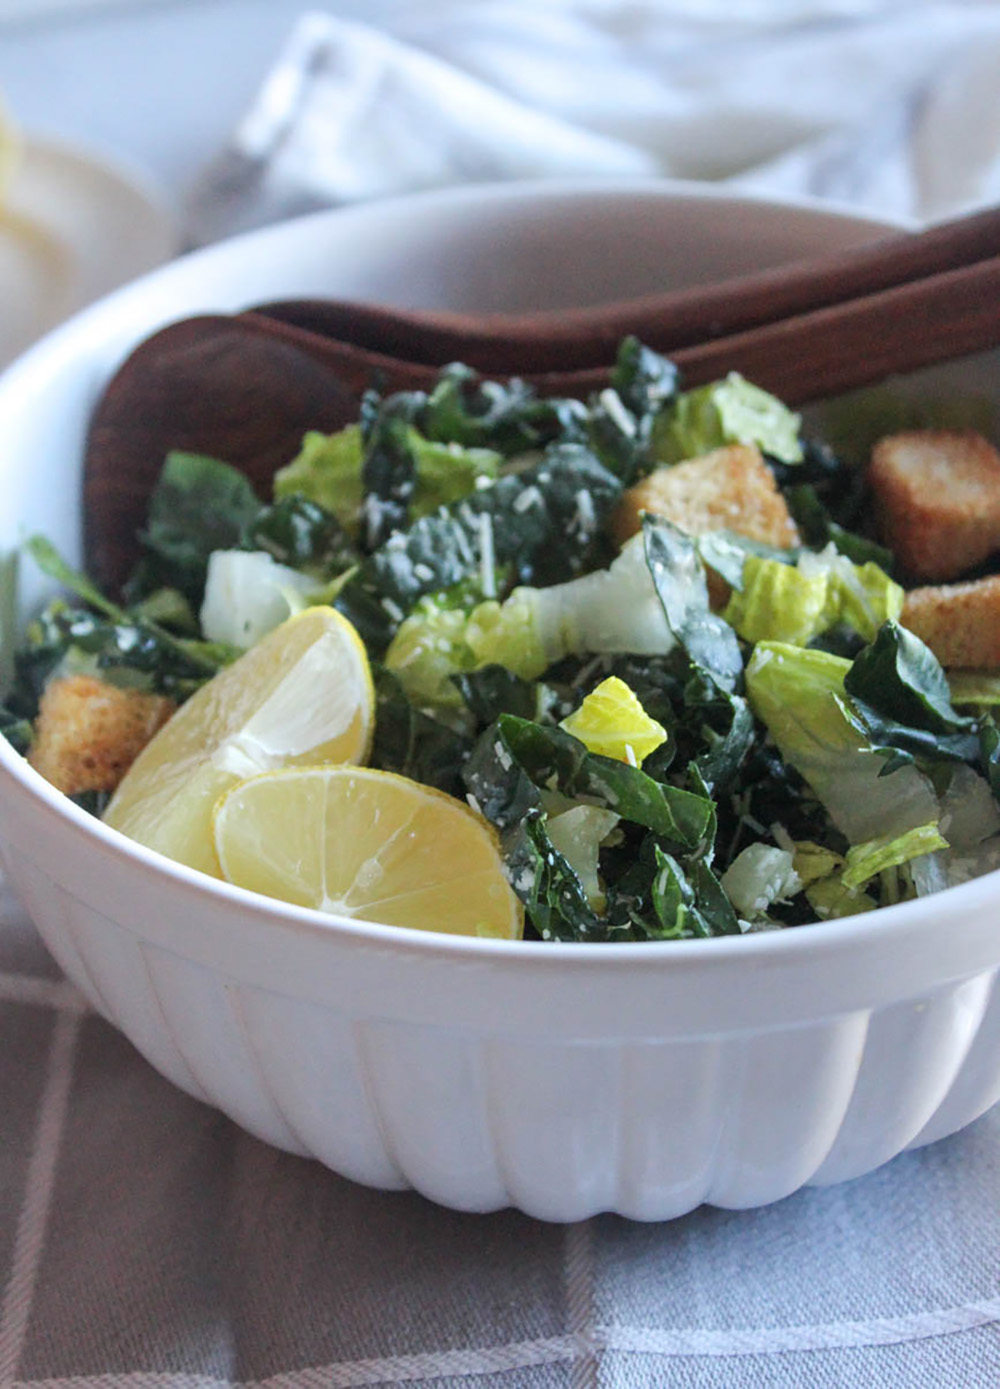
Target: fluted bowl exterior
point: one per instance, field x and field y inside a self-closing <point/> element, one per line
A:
<point x="561" y="1080"/>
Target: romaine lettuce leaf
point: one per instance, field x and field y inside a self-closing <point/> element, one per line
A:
<point x="831" y="900"/>
<point x="862" y="596"/>
<point x="821" y="873"/>
<point x="248" y="594"/>
<point x="406" y="476"/>
<point x="508" y="634"/>
<point x="726" y="553"/>
<point x="800" y="694"/>
<point x="651" y="598"/>
<point x="970" y="822"/>
<point x="712" y="730"/>
<point x="429" y="648"/>
<point x="953" y="868"/>
<point x="381" y="482"/>
<point x="795" y="603"/>
<point x="610" y="720"/>
<point x="778" y="602"/>
<point x="577" y="834"/>
<point x="729" y="411"/>
<point x="760" y="875"/>
<point x="865" y="861"/>
<point x="609" y="610"/>
<point x="447" y="472"/>
<point x="812" y="862"/>
<point x="327" y="471"/>
<point x="969" y="810"/>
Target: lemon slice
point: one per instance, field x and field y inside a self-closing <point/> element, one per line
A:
<point x="362" y="843"/>
<point x="611" y="721"/>
<point x="302" y="695"/>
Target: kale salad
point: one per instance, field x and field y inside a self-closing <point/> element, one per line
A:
<point x="680" y="719"/>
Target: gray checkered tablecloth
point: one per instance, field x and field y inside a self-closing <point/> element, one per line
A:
<point x="147" y="1243"/>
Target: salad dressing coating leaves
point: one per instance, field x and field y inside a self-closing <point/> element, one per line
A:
<point x="810" y="760"/>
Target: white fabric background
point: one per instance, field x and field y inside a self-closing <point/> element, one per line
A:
<point x="889" y="104"/>
<point x="889" y="107"/>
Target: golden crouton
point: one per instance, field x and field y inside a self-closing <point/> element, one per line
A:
<point x="88" y="733"/>
<point x="936" y="496"/>
<point x="729" y="489"/>
<point x="959" y="622"/>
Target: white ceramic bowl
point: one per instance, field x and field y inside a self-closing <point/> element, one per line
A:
<point x="563" y="1080"/>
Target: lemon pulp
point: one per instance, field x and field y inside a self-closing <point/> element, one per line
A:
<point x="302" y="695"/>
<point x="356" y="842"/>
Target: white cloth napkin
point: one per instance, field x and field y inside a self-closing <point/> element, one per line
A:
<point x="887" y="106"/>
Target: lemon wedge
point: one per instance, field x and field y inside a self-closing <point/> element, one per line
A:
<point x="362" y="843"/>
<point x="302" y="695"/>
<point x="611" y="721"/>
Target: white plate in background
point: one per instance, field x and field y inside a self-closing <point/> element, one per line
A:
<point x="73" y="227"/>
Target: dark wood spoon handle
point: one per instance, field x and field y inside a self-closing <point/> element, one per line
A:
<point x="802" y="358"/>
<point x="570" y="339"/>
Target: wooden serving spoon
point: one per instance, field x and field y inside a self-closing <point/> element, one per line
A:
<point x="246" y="388"/>
<point x="571" y="339"/>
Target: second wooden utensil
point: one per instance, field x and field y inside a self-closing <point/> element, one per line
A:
<point x="246" y="388"/>
<point x="588" y="337"/>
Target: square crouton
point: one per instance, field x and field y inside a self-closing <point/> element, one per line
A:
<point x="730" y="488"/>
<point x="936" y="495"/>
<point x="88" y="733"/>
<point x="959" y="622"/>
